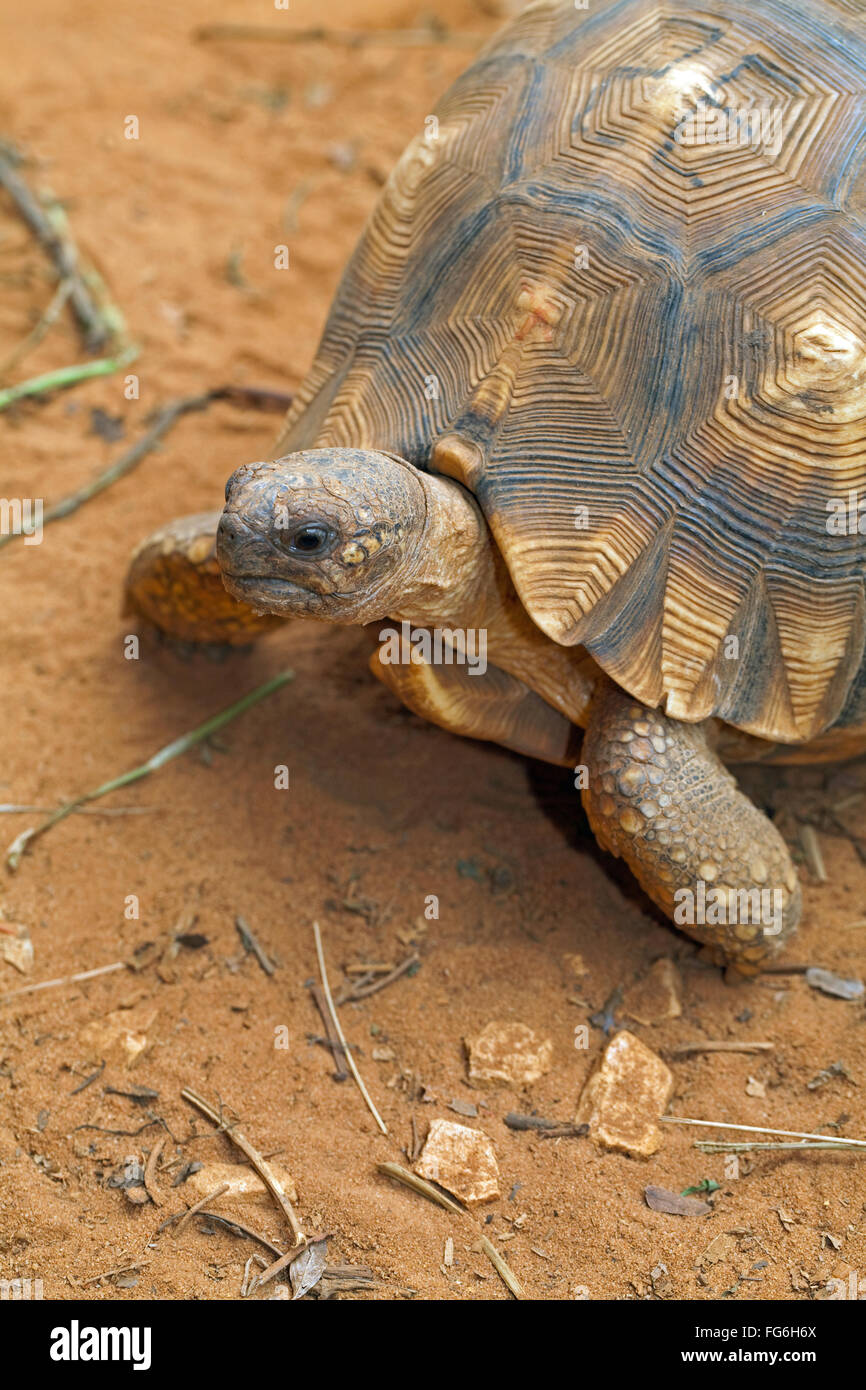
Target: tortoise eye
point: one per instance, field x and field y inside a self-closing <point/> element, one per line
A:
<point x="311" y="539"/>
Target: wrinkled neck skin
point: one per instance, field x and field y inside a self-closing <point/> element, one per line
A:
<point x="460" y="581"/>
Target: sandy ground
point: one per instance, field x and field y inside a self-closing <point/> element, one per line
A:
<point x="242" y="147"/>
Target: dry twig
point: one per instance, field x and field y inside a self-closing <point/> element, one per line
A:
<point x="97" y="327"/>
<point x="262" y="1167"/>
<point x="350" y="1061"/>
<point x="361" y="990"/>
<point x="194" y="1210"/>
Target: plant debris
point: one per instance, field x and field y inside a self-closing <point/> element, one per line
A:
<point x="673" y="1203"/>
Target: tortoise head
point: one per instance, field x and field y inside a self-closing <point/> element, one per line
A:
<point x="331" y="534"/>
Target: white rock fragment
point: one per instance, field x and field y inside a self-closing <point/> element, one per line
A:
<point x="461" y="1160"/>
<point x="244" y="1185"/>
<point x="509" y="1053"/>
<point x="119" y="1036"/>
<point x="658" y="996"/>
<point x="16" y="948"/>
<point x="624" y="1097"/>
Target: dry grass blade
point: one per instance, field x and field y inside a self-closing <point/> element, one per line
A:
<point x="751" y="1146"/>
<point x="64" y="980"/>
<point x="426" y="1189"/>
<point x="350" y="1061"/>
<point x="24" y="841"/>
<point x="686" y="1049"/>
<point x="502" y="1267"/>
<point x="812" y="851"/>
<point x="262" y="1167"/>
<point x="762" y="1129"/>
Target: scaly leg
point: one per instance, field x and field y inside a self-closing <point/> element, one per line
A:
<point x="659" y="797"/>
<point x="174" y="583"/>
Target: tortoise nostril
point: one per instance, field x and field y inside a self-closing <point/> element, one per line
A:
<point x="230" y="527"/>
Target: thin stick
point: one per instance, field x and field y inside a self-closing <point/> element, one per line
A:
<point x="251" y="945"/>
<point x="10" y="809"/>
<point x="110" y="1273"/>
<point x="150" y="1172"/>
<point x="165" y="419"/>
<point x="375" y="967"/>
<point x="262" y="1167"/>
<point x="64" y="980"/>
<point x="95" y="325"/>
<point x="338" y="1051"/>
<point x="686" y="1049"/>
<point x="351" y="38"/>
<point x="47" y="320"/>
<point x="362" y="991"/>
<point x="748" y="1146"/>
<point x="503" y="1269"/>
<point x="255" y="398"/>
<point x="192" y="1211"/>
<point x="760" y="1129"/>
<point x="283" y="1262"/>
<point x="173" y="750"/>
<point x="350" y="1061"/>
<point x="67" y="376"/>
<point x="239" y="1229"/>
<point x="426" y="1189"/>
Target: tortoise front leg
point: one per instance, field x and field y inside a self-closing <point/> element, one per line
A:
<point x="174" y="584"/>
<point x="659" y="797"/>
<point x="493" y="706"/>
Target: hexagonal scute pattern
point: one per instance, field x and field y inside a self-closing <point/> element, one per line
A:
<point x="626" y="259"/>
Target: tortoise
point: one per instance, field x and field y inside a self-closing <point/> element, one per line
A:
<point x="594" y="386"/>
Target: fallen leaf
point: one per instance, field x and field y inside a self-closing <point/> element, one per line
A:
<point x="836" y="985"/>
<point x="306" y="1271"/>
<point x="660" y="1199"/>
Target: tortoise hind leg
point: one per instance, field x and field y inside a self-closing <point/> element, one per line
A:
<point x="492" y="706"/>
<point x="658" y="796"/>
<point x="174" y="584"/>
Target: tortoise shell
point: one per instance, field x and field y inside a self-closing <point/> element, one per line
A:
<point x="618" y="287"/>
